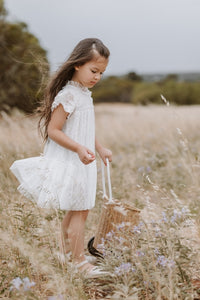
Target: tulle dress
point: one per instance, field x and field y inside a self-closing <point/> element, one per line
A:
<point x="57" y="178"/>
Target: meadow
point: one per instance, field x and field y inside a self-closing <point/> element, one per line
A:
<point x="156" y="167"/>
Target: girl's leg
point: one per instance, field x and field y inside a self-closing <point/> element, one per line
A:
<point x="76" y="234"/>
<point x="64" y="245"/>
<point x="65" y="224"/>
<point x="76" y="237"/>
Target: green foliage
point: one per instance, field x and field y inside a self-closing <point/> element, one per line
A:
<point x="134" y="76"/>
<point x="181" y="93"/>
<point x="3" y="11"/>
<point x="125" y="89"/>
<point x="171" y="76"/>
<point x="145" y="93"/>
<point x="113" y="89"/>
<point x="23" y="65"/>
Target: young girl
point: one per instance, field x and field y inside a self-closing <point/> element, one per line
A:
<point x="64" y="176"/>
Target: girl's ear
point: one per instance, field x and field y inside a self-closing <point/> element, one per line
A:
<point x="76" y="68"/>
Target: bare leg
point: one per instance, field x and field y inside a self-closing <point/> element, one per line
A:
<point x="65" y="223"/>
<point x="76" y="236"/>
<point x="64" y="243"/>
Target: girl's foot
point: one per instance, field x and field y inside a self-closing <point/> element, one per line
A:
<point x="84" y="266"/>
<point x="90" y="270"/>
<point x="64" y="254"/>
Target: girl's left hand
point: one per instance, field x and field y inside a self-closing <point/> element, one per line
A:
<point x="105" y="153"/>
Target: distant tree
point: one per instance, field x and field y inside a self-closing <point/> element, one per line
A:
<point x="23" y="65"/>
<point x="172" y="77"/>
<point x="3" y="11"/>
<point x="134" y="76"/>
<point x="113" y="89"/>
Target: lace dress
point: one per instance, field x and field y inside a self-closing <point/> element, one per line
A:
<point x="57" y="178"/>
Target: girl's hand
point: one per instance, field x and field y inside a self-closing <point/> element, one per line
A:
<point x="105" y="153"/>
<point x="85" y="155"/>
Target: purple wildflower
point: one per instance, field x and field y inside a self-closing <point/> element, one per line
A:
<point x="141" y="169"/>
<point x="173" y="219"/>
<point x="171" y="263"/>
<point x="148" y="169"/>
<point x="164" y="219"/>
<point x="59" y="297"/>
<point x="120" y="226"/>
<point x="124" y="268"/>
<point x="139" y="253"/>
<point x="110" y="234"/>
<point x="27" y="284"/>
<point x="153" y="223"/>
<point x="137" y="229"/>
<point x="184" y="210"/>
<point x="158" y="232"/>
<point x="162" y="260"/>
<point x="156" y="251"/>
<point x="17" y="283"/>
<point x="147" y="283"/>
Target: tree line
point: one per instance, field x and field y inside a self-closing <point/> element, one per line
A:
<point x="132" y="88"/>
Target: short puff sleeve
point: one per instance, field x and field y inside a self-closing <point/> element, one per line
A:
<point x="66" y="99"/>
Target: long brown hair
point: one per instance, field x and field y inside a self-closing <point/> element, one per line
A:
<point x="82" y="53"/>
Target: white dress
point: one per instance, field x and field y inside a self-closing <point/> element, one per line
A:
<point x="57" y="178"/>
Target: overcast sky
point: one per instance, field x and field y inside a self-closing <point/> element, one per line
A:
<point x="143" y="35"/>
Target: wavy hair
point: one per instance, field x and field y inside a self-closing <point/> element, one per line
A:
<point x="84" y="52"/>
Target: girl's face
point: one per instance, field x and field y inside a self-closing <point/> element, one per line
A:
<point x="90" y="73"/>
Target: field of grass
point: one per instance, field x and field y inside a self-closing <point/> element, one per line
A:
<point x="156" y="167"/>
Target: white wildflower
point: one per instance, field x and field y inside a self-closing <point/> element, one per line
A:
<point x="164" y="100"/>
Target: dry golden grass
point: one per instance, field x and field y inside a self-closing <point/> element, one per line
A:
<point x="156" y="165"/>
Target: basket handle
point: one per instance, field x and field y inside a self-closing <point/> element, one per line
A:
<point x="109" y="181"/>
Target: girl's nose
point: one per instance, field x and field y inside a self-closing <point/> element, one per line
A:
<point x="97" y="76"/>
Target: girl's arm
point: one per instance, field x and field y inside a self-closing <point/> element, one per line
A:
<point x="103" y="152"/>
<point x="58" y="118"/>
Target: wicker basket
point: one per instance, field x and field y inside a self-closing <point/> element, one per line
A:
<point x="113" y="213"/>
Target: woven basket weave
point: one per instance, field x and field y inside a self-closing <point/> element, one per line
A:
<point x="113" y="214"/>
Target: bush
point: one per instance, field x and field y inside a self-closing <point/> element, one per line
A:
<point x="182" y="93"/>
<point x="124" y="89"/>
<point x="113" y="89"/>
<point x="23" y="62"/>
<point x="145" y="93"/>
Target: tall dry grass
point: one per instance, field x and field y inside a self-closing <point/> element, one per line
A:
<point x="156" y="166"/>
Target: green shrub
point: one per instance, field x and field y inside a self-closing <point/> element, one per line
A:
<point x="182" y="93"/>
<point x="125" y="89"/>
<point x="23" y="62"/>
<point x="113" y="89"/>
<point x="145" y="93"/>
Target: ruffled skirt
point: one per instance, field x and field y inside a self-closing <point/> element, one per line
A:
<point x="52" y="183"/>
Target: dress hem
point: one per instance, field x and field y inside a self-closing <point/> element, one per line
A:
<point x="29" y="196"/>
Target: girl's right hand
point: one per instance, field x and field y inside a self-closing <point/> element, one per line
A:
<point x="85" y="155"/>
